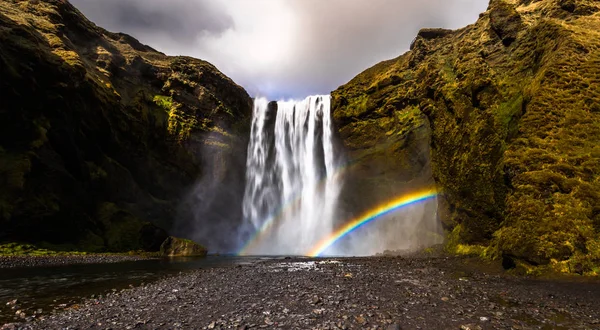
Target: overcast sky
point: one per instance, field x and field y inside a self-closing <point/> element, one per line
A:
<point x="282" y="48"/>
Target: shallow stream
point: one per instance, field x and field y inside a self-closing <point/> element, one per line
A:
<point x="40" y="290"/>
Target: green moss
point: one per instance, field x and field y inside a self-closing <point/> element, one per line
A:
<point x="24" y="249"/>
<point x="165" y="102"/>
<point x="453" y="245"/>
<point x="507" y="111"/>
<point x="357" y="107"/>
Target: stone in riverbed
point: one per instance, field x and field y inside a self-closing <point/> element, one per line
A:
<point x="179" y="247"/>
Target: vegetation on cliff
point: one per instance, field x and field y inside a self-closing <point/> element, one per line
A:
<point x="101" y="136"/>
<point x="511" y="105"/>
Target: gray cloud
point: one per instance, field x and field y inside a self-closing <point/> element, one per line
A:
<point x="183" y="21"/>
<point x="282" y="48"/>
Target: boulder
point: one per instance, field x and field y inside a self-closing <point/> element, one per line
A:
<point x="179" y="247"/>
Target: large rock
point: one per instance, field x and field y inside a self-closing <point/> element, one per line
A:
<point x="178" y="247"/>
<point x="100" y="135"/>
<point x="508" y="108"/>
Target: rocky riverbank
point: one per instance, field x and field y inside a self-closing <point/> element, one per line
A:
<point x="376" y="293"/>
<point x="57" y="260"/>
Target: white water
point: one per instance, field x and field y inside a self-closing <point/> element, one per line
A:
<point x="291" y="186"/>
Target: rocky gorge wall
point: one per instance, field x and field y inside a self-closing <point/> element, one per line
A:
<point x="506" y="112"/>
<point x="101" y="137"/>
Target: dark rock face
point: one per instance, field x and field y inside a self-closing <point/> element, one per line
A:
<point x="152" y="237"/>
<point x="509" y="110"/>
<point x="430" y="33"/>
<point x="101" y="135"/>
<point x="177" y="247"/>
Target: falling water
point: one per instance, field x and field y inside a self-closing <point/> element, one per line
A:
<point x="291" y="187"/>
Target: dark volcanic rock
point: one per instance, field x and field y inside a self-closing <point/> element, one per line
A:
<point x="152" y="237"/>
<point x="431" y="33"/>
<point x="100" y="135"/>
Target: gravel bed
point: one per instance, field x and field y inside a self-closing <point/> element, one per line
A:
<point x="36" y="261"/>
<point x="349" y="293"/>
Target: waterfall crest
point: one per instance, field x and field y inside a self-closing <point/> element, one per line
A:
<point x="291" y="182"/>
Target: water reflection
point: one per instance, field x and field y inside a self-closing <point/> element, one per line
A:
<point x="52" y="287"/>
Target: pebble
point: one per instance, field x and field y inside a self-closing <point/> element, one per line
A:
<point x="36" y="261"/>
<point x="470" y="327"/>
<point x="382" y="292"/>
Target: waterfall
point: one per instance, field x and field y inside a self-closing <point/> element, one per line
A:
<point x="291" y="182"/>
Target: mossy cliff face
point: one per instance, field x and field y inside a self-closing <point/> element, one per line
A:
<point x="511" y="105"/>
<point x="101" y="135"/>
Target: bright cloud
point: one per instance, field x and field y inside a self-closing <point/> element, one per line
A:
<point x="282" y="48"/>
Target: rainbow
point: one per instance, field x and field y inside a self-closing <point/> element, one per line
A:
<point x="267" y="225"/>
<point x="371" y="215"/>
<point x="292" y="202"/>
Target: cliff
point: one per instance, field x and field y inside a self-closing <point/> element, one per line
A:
<point x="509" y="111"/>
<point x="102" y="137"/>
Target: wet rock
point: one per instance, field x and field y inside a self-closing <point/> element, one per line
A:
<point x="508" y="262"/>
<point x="178" y="247"/>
